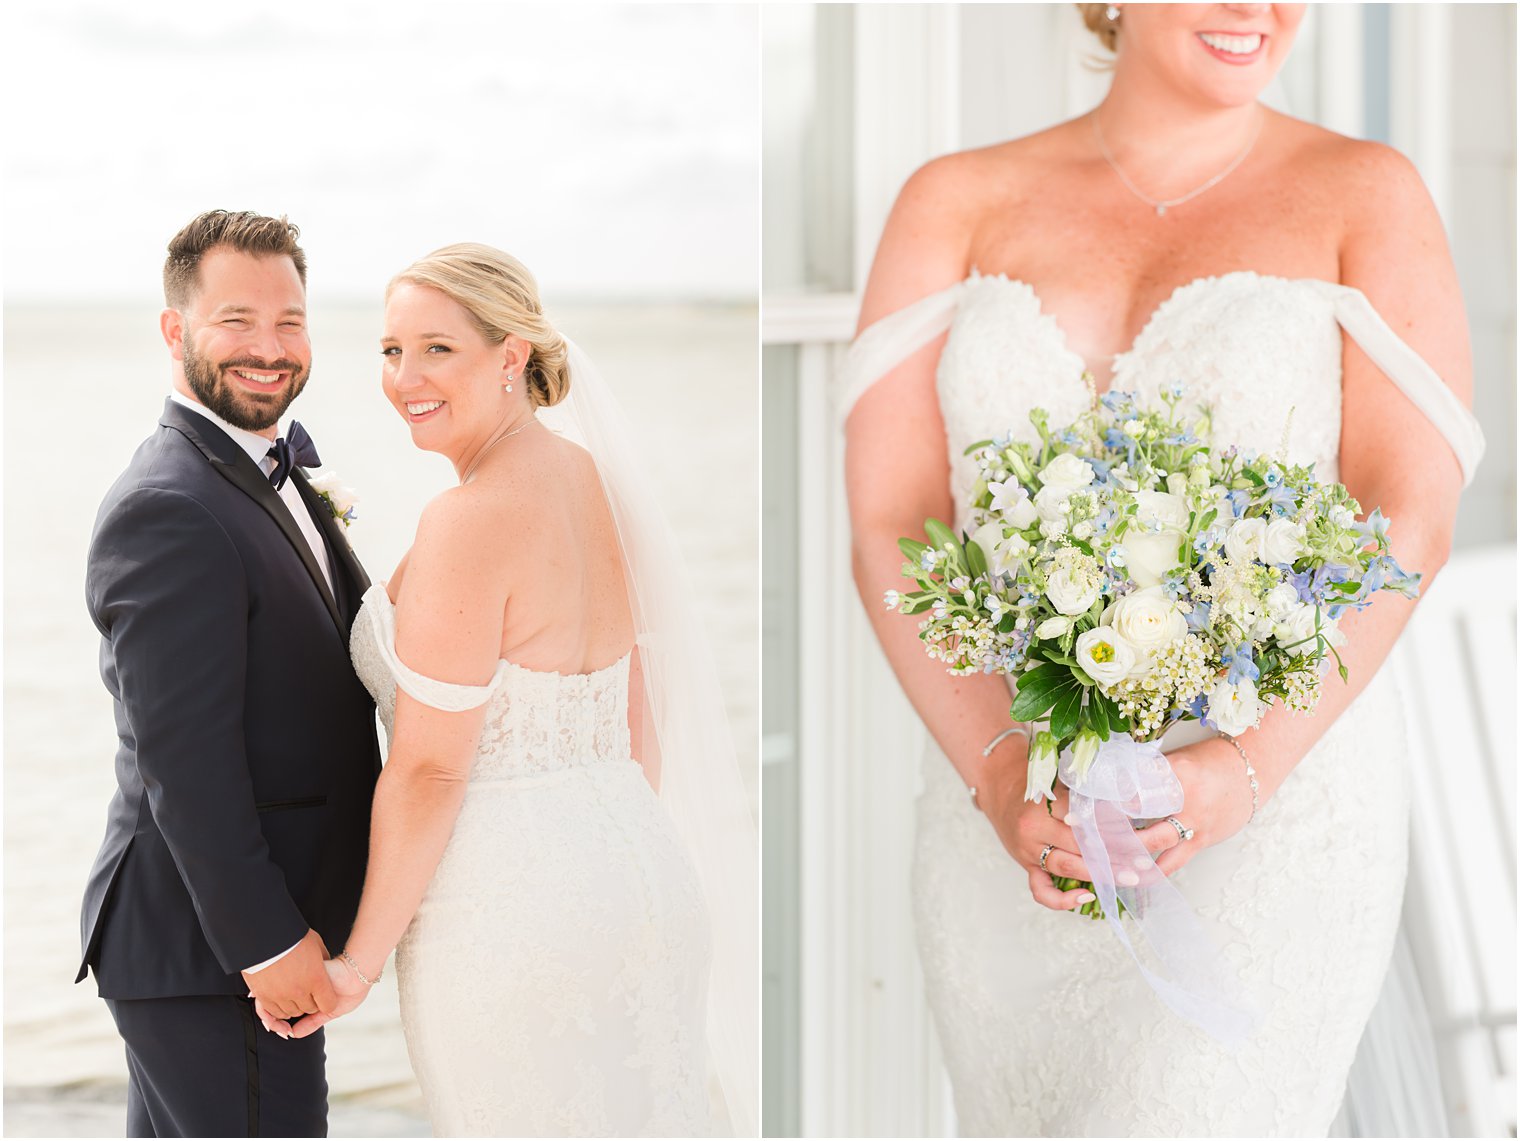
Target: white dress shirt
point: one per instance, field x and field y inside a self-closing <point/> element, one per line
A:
<point x="257" y="447"/>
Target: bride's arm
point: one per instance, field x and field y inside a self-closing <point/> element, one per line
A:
<point x="1391" y="457"/>
<point x="448" y="627"/>
<point x="897" y="474"/>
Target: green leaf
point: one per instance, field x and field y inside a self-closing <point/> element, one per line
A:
<point x="912" y="549"/>
<point x="1038" y="689"/>
<point x="1064" y="715"/>
<point x="940" y="535"/>
<point x="980" y="444"/>
<point x="976" y="560"/>
<point x="1082" y="677"/>
<point x="1097" y="708"/>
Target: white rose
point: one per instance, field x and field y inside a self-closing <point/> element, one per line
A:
<point x="1068" y="473"/>
<point x="1283" y="542"/>
<point x="1242" y="542"/>
<point x="1105" y="655"/>
<point x="1148" y="620"/>
<point x="1069" y="595"/>
<point x="1149" y="555"/>
<point x="1161" y="507"/>
<point x="1234" y="708"/>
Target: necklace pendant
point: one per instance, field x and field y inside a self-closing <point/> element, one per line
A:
<point x="1160" y="211"/>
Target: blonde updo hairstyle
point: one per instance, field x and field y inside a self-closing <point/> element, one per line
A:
<point x="502" y="299"/>
<point x="1100" y="25"/>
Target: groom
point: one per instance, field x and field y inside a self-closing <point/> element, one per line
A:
<point x="224" y="589"/>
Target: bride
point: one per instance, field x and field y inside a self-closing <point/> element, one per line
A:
<point x="560" y="842"/>
<point x="1299" y="282"/>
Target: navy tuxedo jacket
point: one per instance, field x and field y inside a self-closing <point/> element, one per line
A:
<point x="247" y="754"/>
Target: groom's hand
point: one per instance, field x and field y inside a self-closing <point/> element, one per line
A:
<point x="298" y="984"/>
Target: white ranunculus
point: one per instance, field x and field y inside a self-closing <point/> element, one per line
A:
<point x="1105" y="655"/>
<point x="1052" y="627"/>
<point x="1242" y="542"/>
<point x="1282" y="542"/>
<point x="1296" y="625"/>
<point x="1281" y="600"/>
<point x="1234" y="708"/>
<point x="1148" y="620"/>
<point x="1068" y="473"/>
<point x="1050" y="503"/>
<point x="1071" y="595"/>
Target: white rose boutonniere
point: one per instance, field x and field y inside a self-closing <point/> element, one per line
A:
<point x="339" y="497"/>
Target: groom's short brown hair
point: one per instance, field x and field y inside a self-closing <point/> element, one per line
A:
<point x="241" y="230"/>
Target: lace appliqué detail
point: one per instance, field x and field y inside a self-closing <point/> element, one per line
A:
<point x="553" y="981"/>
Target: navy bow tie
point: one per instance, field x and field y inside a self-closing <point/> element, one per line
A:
<point x="294" y="450"/>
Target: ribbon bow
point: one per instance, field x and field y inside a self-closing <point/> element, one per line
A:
<point x="1129" y="781"/>
<point x="292" y="451"/>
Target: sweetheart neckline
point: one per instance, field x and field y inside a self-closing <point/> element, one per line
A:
<point x="1048" y="318"/>
<point x="627" y="657"/>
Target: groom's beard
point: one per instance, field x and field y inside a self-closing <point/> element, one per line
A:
<point x="251" y="411"/>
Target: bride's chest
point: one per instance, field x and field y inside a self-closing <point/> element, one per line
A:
<point x="1264" y="354"/>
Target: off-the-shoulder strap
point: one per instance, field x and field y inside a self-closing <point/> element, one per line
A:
<point x="892" y="340"/>
<point x="1410" y="372"/>
<point x="442" y="695"/>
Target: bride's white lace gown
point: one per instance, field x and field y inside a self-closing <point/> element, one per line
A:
<point x="1046" y="1025"/>
<point x="553" y="981"/>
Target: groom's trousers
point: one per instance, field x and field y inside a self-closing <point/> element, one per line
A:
<point x="204" y="1066"/>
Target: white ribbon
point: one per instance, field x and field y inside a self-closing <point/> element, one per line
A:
<point x="1130" y="781"/>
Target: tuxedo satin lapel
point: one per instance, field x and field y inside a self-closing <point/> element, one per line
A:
<point x="346" y="561"/>
<point x="233" y="463"/>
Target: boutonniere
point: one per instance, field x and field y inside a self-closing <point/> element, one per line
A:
<point x="339" y="497"/>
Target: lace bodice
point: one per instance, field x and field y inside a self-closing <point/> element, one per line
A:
<point x="536" y="722"/>
<point x="1254" y="347"/>
<point x="1257" y="349"/>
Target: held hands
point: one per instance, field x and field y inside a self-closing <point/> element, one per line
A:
<point x="1216" y="803"/>
<point x="349" y="992"/>
<point x="297" y="984"/>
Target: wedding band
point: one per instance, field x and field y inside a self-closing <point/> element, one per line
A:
<point x="1182" y="833"/>
<point x="1045" y="855"/>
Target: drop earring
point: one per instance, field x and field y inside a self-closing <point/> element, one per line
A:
<point x="508" y="386"/>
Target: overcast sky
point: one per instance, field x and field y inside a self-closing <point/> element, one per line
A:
<point x="613" y="147"/>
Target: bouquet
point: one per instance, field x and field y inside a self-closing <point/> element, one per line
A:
<point x="1130" y="575"/>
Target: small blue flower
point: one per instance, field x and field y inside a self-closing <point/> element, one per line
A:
<point x="1198" y="618"/>
<point x="1239" y="501"/>
<point x="1241" y="663"/>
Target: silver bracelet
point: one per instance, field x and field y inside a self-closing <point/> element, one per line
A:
<point x="1020" y="730"/>
<point x="1250" y="775"/>
<point x="353" y="966"/>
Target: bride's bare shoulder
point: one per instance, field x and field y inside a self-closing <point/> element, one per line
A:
<point x="928" y="240"/>
<point x="969" y="182"/>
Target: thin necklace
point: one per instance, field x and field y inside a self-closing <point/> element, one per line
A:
<point x="471" y="469"/>
<point x="1163" y="206"/>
